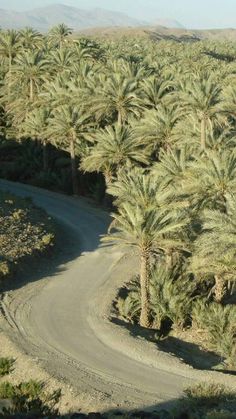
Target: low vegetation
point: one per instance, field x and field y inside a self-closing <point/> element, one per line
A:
<point x="207" y="401"/>
<point x="204" y="401"/>
<point x="29" y="398"/>
<point x="25" y="231"/>
<point x="6" y="366"/>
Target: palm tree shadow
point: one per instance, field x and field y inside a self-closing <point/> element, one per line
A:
<point x="189" y="353"/>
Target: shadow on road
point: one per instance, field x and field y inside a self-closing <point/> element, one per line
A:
<point x="69" y="213"/>
<point x="190" y="353"/>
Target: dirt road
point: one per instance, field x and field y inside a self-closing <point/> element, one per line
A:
<point x="65" y="322"/>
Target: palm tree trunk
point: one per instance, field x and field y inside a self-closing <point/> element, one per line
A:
<point x="45" y="155"/>
<point x="73" y="166"/>
<point x="144" y="285"/>
<point x="203" y="134"/>
<point x="169" y="258"/>
<point x="9" y="73"/>
<point x="119" y="119"/>
<point x="219" y="288"/>
<point x="107" y="198"/>
<point x="31" y="87"/>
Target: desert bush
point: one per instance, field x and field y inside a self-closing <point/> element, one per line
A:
<point x="171" y="297"/>
<point x="6" y="366"/>
<point x="24" y="230"/>
<point x="4" y="269"/>
<point x="220" y="324"/>
<point x="29" y="398"/>
<point x="207" y="401"/>
<point x="129" y="307"/>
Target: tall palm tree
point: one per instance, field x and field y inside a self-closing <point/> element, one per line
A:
<point x="29" y="72"/>
<point x="202" y="98"/>
<point x="67" y="128"/>
<point x="58" y="35"/>
<point x="147" y="229"/>
<point x="116" y="100"/>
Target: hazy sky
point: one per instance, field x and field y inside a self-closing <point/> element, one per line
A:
<point x="191" y="13"/>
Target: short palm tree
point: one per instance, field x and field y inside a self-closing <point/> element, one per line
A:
<point x="202" y="98"/>
<point x="158" y="127"/>
<point x="215" y="249"/>
<point x="172" y="167"/>
<point x="154" y="90"/>
<point x="9" y="46"/>
<point x="60" y="60"/>
<point x="208" y="180"/>
<point x="66" y="128"/>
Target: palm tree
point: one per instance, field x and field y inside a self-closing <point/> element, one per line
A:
<point x="172" y="167"/>
<point x="9" y="46"/>
<point x="215" y="249"/>
<point x="67" y="128"/>
<point x="29" y="72"/>
<point x="31" y="39"/>
<point x="116" y="100"/>
<point x="146" y="228"/>
<point x="208" y="180"/>
<point x="58" y="34"/>
<point x="202" y="98"/>
<point x="158" y="127"/>
<point x="115" y="147"/>
<point x="60" y="60"/>
<point x="154" y="90"/>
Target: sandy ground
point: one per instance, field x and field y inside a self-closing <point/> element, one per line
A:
<point x="61" y="320"/>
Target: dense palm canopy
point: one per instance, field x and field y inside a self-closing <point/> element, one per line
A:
<point x="151" y="124"/>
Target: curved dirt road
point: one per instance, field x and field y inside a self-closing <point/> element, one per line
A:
<point x="65" y="324"/>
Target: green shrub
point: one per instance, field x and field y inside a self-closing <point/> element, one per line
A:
<point x="220" y="324"/>
<point x="29" y="397"/>
<point x="171" y="297"/>
<point x="6" y="366"/>
<point x="130" y="307"/>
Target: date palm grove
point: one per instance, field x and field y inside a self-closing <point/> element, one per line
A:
<point x="149" y="128"/>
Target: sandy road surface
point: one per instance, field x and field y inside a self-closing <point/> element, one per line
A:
<point x="65" y="322"/>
